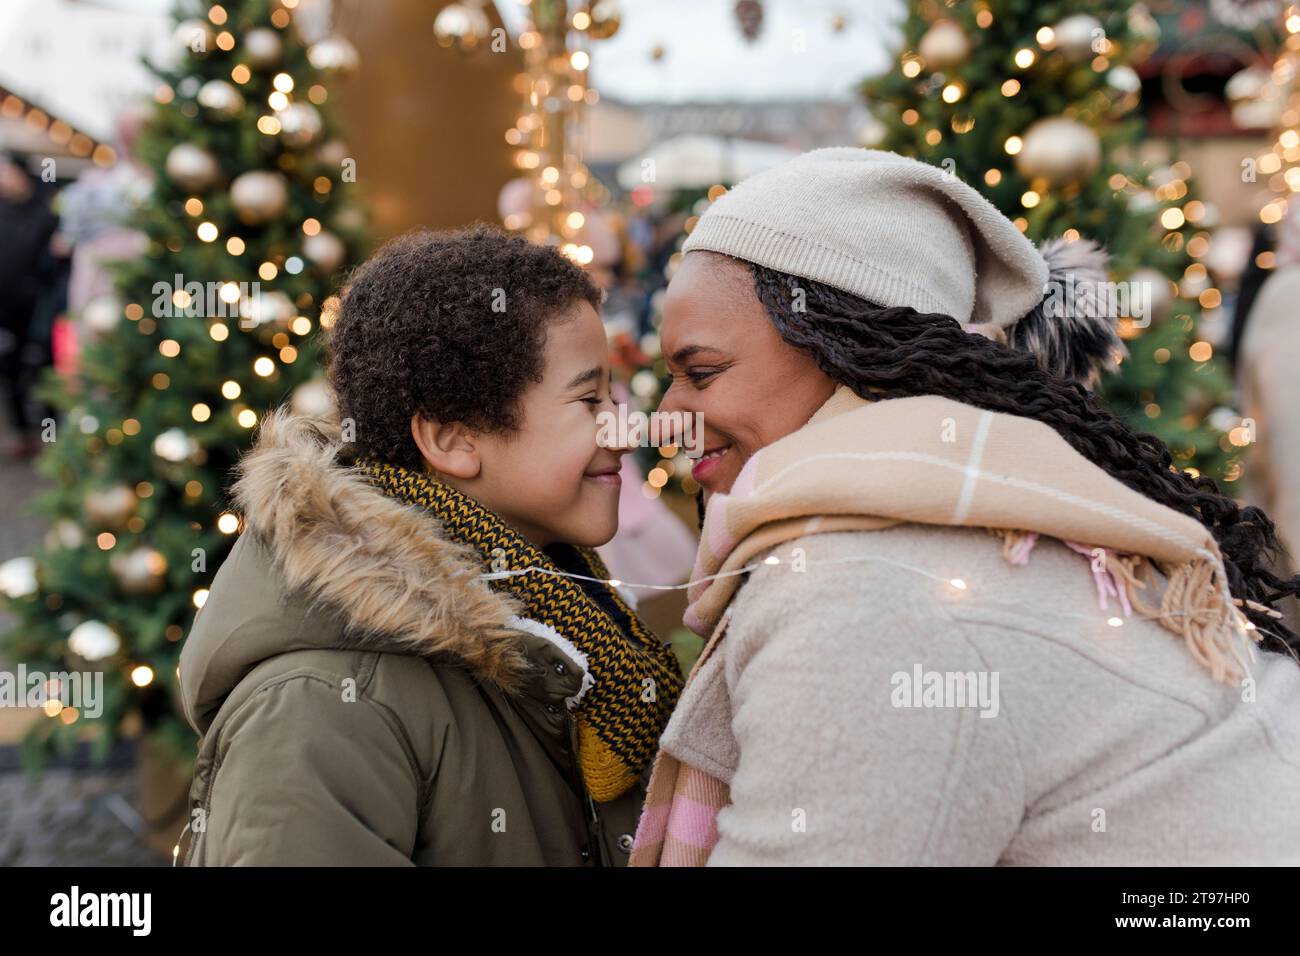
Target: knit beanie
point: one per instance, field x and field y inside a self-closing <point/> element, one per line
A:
<point x="900" y="232"/>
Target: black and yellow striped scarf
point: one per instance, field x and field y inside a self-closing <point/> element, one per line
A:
<point x="637" y="678"/>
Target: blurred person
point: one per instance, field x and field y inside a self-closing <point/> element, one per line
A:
<point x="93" y="212"/>
<point x="28" y="225"/>
<point x="1267" y="331"/>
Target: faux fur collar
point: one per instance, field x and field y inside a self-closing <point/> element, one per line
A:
<point x="397" y="582"/>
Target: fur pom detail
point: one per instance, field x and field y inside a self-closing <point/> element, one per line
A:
<point x="1073" y="331"/>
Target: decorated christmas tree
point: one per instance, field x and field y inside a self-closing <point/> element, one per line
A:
<point x="248" y="222"/>
<point x="1035" y="105"/>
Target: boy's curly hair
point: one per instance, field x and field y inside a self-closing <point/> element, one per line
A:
<point x="451" y="324"/>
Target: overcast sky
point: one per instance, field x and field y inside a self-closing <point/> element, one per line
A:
<point x="704" y="54"/>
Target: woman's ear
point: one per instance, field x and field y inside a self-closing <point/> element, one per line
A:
<point x="447" y="449"/>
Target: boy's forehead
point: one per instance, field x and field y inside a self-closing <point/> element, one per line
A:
<point x="576" y="349"/>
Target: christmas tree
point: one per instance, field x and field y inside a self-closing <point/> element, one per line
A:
<point x="1034" y="105"/>
<point x="248" y="222"/>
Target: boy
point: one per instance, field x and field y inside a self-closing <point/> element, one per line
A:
<point x="365" y="695"/>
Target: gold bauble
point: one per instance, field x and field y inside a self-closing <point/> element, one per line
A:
<point x="191" y="167"/>
<point x="109" y="507"/>
<point x="334" y="56"/>
<point x="259" y="196"/>
<point x="605" y="19"/>
<point x="300" y="124"/>
<point x="193" y="35"/>
<point x="1059" y="150"/>
<point x="1158" y="287"/>
<point x="139" y="571"/>
<point x="262" y="48"/>
<point x="1077" y="35"/>
<point x="460" y="25"/>
<point x="944" y="45"/>
<point x="220" y="99"/>
<point x="325" y="249"/>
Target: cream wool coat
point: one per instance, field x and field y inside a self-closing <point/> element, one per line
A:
<point x="1107" y="746"/>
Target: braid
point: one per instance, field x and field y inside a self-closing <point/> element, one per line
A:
<point x="898" y="352"/>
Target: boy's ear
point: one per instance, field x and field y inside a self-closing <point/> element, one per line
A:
<point x="448" y="449"/>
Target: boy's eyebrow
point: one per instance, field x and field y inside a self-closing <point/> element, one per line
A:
<point x="583" y="378"/>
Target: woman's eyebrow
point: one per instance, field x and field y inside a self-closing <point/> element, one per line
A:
<point x="688" y="351"/>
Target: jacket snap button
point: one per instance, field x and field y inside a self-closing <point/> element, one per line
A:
<point x="560" y="668"/>
<point x="552" y="709"/>
<point x="625" y="843"/>
<point x="585" y="853"/>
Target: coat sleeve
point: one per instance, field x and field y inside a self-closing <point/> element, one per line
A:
<point x="833" y="767"/>
<point x="306" y="777"/>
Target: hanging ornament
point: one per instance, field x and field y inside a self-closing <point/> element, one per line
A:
<point x="313" y="399"/>
<point x="1160" y="290"/>
<point x="300" y="124"/>
<point x="1144" y="32"/>
<point x="1124" y="79"/>
<point x="93" y="641"/>
<point x="220" y="98"/>
<point x="18" y="578"/>
<point x="1060" y="150"/>
<point x="1143" y="202"/>
<point x="109" y="507"/>
<point x="944" y="45"/>
<point x="174" y="445"/>
<point x="1076" y="36"/>
<point x="334" y="56"/>
<point x="605" y="19"/>
<point x="325" y="249"/>
<point x="193" y="35"/>
<point x="332" y="153"/>
<point x="191" y="167"/>
<point x="266" y="307"/>
<point x="1257" y="102"/>
<point x="101" y="315"/>
<point x="749" y="17"/>
<point x="262" y="48"/>
<point x="259" y="196"/>
<point x="139" y="571"/>
<point x="461" y="25"/>
<point x="64" y="534"/>
<point x="872" y="133"/>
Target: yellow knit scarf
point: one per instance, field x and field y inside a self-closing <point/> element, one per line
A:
<point x="636" y="677"/>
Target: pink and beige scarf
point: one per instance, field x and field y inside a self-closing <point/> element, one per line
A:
<point x="859" y="465"/>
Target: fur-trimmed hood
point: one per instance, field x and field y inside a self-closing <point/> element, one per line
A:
<point x="364" y="571"/>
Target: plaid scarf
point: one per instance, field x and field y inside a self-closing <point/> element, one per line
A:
<point x="859" y="465"/>
<point x="635" y="678"/>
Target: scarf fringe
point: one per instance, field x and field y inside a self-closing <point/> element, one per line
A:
<point x="1196" y="604"/>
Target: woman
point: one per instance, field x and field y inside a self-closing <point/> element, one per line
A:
<point x="913" y="512"/>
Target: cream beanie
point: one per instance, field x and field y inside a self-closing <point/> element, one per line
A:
<point x="896" y="232"/>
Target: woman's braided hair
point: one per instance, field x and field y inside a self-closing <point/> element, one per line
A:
<point x="898" y="352"/>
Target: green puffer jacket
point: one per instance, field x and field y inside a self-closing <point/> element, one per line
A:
<point x="372" y="712"/>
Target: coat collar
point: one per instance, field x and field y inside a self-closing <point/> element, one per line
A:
<point x="384" y="567"/>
